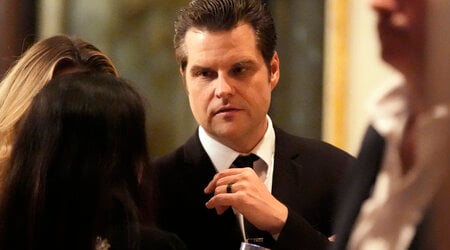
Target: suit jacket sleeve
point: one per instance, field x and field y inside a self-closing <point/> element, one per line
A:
<point x="299" y="234"/>
<point x="307" y="174"/>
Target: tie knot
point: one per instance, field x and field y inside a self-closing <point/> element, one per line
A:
<point x="243" y="161"/>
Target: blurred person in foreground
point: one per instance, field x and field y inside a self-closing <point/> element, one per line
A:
<point x="75" y="177"/>
<point x="47" y="58"/>
<point x="396" y="191"/>
<point x="229" y="66"/>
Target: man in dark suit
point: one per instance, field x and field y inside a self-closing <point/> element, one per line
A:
<point x="393" y="194"/>
<point x="226" y="52"/>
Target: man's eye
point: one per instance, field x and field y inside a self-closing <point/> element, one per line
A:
<point x="204" y="73"/>
<point x="239" y="70"/>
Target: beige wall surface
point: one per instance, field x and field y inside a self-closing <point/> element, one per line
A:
<point x="363" y="70"/>
<point x="366" y="70"/>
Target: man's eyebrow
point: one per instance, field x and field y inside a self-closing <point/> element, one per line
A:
<point x="198" y="68"/>
<point x="244" y="63"/>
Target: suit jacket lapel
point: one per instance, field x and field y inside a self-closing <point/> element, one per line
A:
<point x="285" y="180"/>
<point x="202" y="170"/>
<point x="197" y="160"/>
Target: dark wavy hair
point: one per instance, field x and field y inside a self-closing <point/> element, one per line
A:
<point x="76" y="169"/>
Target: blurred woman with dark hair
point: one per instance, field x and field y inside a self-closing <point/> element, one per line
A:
<point x="78" y="174"/>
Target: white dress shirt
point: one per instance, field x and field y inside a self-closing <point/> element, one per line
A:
<point x="222" y="157"/>
<point x="388" y="219"/>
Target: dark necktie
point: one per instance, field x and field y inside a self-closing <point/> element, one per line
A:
<point x="243" y="161"/>
<point x="254" y="235"/>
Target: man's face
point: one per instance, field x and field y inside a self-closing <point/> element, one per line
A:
<point x="229" y="85"/>
<point x="401" y="28"/>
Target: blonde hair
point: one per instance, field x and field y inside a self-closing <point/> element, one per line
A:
<point x="34" y="69"/>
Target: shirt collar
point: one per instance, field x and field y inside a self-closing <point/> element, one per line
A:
<point x="390" y="109"/>
<point x="222" y="156"/>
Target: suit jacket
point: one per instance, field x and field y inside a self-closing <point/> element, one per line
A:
<point x="357" y="187"/>
<point x="305" y="178"/>
<point x="156" y="239"/>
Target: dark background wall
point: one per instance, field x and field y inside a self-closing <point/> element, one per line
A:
<point x="17" y="29"/>
<point x="138" y="37"/>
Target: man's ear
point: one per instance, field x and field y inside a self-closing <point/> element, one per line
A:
<point x="274" y="70"/>
<point x="181" y="71"/>
<point x="183" y="78"/>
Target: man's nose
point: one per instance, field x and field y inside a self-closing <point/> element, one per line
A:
<point x="224" y="86"/>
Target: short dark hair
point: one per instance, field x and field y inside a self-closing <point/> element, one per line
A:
<point x="220" y="15"/>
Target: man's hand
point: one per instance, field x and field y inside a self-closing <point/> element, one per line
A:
<point x="249" y="196"/>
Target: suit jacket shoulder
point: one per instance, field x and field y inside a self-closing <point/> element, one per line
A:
<point x="306" y="175"/>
